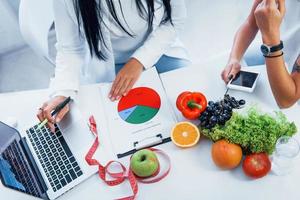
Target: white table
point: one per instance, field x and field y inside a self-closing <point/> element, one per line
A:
<point x="193" y="174"/>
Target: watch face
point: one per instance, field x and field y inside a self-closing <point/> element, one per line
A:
<point x="264" y="49"/>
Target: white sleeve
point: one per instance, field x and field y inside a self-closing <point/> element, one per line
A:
<point x="65" y="93"/>
<point x="162" y="37"/>
<point x="71" y="52"/>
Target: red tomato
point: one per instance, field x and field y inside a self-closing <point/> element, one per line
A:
<point x="257" y="165"/>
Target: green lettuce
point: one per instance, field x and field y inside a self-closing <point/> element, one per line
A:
<point x="254" y="131"/>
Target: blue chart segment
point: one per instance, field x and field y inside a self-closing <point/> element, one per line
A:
<point x="126" y="113"/>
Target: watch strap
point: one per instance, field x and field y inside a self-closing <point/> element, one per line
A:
<point x="276" y="47"/>
<point x="276" y="56"/>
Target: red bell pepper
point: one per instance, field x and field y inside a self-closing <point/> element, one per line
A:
<point x="191" y="104"/>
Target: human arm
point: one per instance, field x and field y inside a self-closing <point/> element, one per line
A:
<point x="285" y="86"/>
<point x="69" y="59"/>
<point x="243" y="38"/>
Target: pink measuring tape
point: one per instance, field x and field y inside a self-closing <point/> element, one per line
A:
<point x="124" y="174"/>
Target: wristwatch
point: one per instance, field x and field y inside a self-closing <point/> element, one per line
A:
<point x="268" y="50"/>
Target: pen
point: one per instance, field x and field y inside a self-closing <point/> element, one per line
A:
<point x="229" y="79"/>
<point x="58" y="108"/>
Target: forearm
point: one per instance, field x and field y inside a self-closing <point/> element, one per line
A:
<point x="242" y="40"/>
<point x="284" y="86"/>
<point x="245" y="35"/>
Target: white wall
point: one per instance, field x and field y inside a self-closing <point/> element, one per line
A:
<point x="10" y="36"/>
<point x="211" y="26"/>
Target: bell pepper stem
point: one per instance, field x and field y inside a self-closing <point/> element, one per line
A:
<point x="193" y="104"/>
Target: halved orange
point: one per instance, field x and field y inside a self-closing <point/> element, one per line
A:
<point x="185" y="134"/>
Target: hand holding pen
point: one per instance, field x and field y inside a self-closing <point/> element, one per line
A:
<point x="53" y="111"/>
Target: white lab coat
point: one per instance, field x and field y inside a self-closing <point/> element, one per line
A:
<point x="73" y="62"/>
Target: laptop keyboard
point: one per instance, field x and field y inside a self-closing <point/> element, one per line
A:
<point x="56" y="158"/>
<point x="20" y="168"/>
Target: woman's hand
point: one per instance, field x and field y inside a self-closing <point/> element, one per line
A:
<point x="269" y="15"/>
<point x="45" y="112"/>
<point x="233" y="67"/>
<point x="125" y="79"/>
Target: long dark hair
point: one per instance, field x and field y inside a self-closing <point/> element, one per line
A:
<point x="89" y="14"/>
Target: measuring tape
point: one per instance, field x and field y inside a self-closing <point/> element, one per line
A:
<point x="124" y="174"/>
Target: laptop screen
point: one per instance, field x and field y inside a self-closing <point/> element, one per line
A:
<point x="15" y="171"/>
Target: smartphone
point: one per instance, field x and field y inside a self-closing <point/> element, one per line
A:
<point x="244" y="81"/>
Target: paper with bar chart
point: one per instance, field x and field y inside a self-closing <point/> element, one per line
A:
<point x="139" y="116"/>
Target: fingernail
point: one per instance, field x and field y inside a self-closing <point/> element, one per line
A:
<point x="109" y="96"/>
<point x="118" y="97"/>
<point x="124" y="94"/>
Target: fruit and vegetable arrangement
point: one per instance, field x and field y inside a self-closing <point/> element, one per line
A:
<point x="252" y="133"/>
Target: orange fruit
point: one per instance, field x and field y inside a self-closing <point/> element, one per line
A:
<point x="185" y="134"/>
<point x="226" y="155"/>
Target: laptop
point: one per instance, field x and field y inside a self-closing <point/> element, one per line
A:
<point x="42" y="164"/>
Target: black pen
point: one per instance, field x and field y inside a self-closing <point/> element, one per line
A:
<point x="58" y="108"/>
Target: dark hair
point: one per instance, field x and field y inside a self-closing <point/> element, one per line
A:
<point x="89" y="14"/>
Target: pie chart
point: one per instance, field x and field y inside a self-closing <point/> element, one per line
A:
<point x="139" y="105"/>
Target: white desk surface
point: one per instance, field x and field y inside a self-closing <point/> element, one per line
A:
<point x="193" y="174"/>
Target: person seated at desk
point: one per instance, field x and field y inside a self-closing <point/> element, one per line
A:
<point x="130" y="36"/>
<point x="267" y="17"/>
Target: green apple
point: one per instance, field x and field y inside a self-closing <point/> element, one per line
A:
<point x="144" y="163"/>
